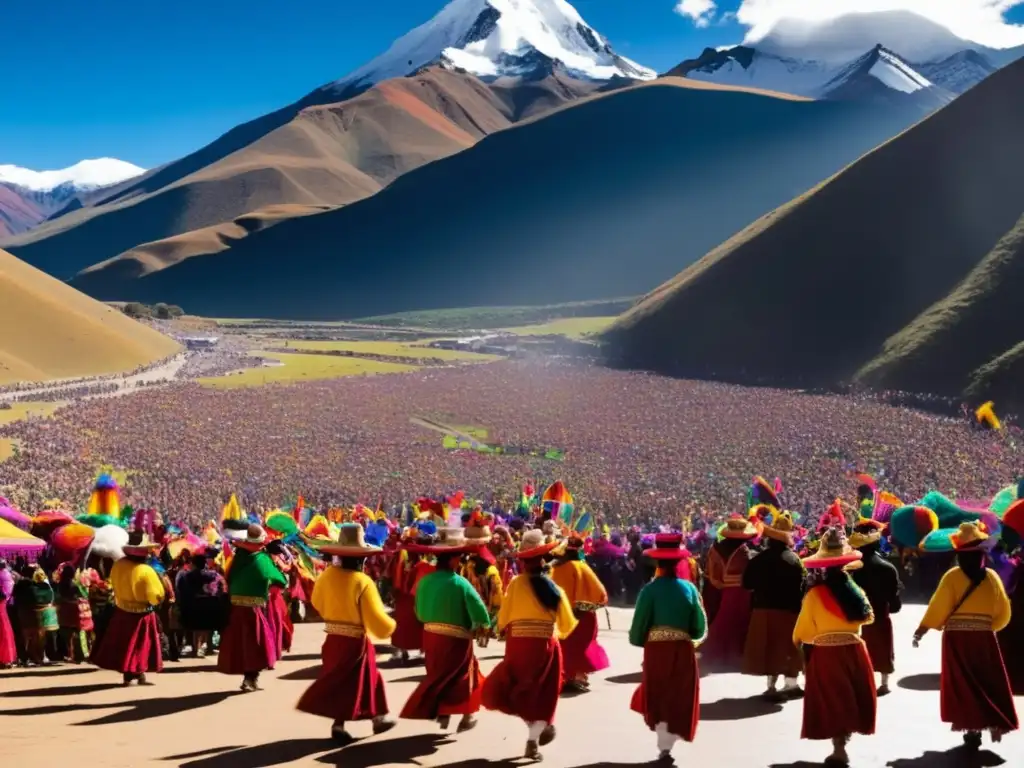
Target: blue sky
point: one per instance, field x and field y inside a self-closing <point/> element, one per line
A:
<point x="150" y="80"/>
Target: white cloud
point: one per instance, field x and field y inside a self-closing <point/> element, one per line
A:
<point x="981" y="21"/>
<point x="701" y="11"/>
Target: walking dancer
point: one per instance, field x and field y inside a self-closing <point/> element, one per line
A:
<point x="451" y="611"/>
<point x="881" y="583"/>
<point x="409" y="568"/>
<point x="249" y="646"/>
<point x="582" y="655"/>
<point x="349" y="687"/>
<point x="277" y="606"/>
<point x="969" y="606"/>
<point x="482" y="572"/>
<point x="840" y="697"/>
<point x="74" y="614"/>
<point x="668" y="623"/>
<point x="131" y="643"/>
<point x="728" y="603"/>
<point x="775" y="579"/>
<point x="534" y="616"/>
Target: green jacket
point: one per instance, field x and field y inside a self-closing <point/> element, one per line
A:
<point x="252" y="573"/>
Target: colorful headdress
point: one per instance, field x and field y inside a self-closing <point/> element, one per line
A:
<point x="106" y="497"/>
<point x="558" y="503"/>
<point x="763" y="492"/>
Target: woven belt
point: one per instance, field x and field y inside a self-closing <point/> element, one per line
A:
<point x="448" y="630"/>
<point x="588" y="607"/>
<point x="344" y="629"/>
<point x="837" y="638"/>
<point x="245" y="601"/>
<point x="132" y="607"/>
<point x="969" y="623"/>
<point x="666" y="634"/>
<point x="541" y="629"/>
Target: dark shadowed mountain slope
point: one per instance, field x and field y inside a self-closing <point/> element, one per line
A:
<point x="604" y="199"/>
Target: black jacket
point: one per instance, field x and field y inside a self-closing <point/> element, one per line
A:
<point x="775" y="578"/>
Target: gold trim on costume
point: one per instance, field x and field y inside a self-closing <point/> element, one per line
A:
<point x="448" y="630"/>
<point x="837" y="638"/>
<point x="969" y="622"/>
<point x="584" y="607"/>
<point x="666" y="635"/>
<point x="532" y="628"/>
<point x="245" y="601"/>
<point x="130" y="606"/>
<point x="344" y="629"/>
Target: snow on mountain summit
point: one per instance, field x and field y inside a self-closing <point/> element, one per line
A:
<point x="492" y="38"/>
<point x="84" y="175"/>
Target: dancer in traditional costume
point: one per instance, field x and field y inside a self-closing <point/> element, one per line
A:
<point x="349" y="687"/>
<point x="277" y="606"/>
<point x="8" y="643"/>
<point x="131" y="643"/>
<point x="451" y="612"/>
<point x="534" y="616"/>
<point x="409" y="567"/>
<point x="37" y="615"/>
<point x="728" y="602"/>
<point x="775" y="579"/>
<point x="74" y="614"/>
<point x="970" y="606"/>
<point x="481" y="571"/>
<point x="201" y="597"/>
<point x="881" y="583"/>
<point x="249" y="646"/>
<point x="582" y="655"/>
<point x="840" y="698"/>
<point x="668" y="623"/>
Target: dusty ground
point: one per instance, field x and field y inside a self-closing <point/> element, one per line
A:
<point x="195" y="717"/>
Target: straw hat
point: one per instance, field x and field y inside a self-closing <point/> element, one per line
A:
<point x="139" y="545"/>
<point x="534" y="545"/>
<point x="969" y="536"/>
<point x="861" y="539"/>
<point x="781" y="528"/>
<point x="833" y="552"/>
<point x="351" y="543"/>
<point x="255" y="539"/>
<point x="667" y="546"/>
<point x="738" y="527"/>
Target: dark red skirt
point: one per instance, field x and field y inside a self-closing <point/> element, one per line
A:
<point x="975" y="693"/>
<point x="280" y="621"/>
<point x="408" y="634"/>
<point x="526" y="683"/>
<point x="670" y="690"/>
<point x="727" y="634"/>
<point x="840" y="697"/>
<point x="1011" y="642"/>
<point x="8" y="646"/>
<point x="453" y="685"/>
<point x="349" y="687"/>
<point x="248" y="644"/>
<point x="581" y="653"/>
<point x="769" y="648"/>
<point x="877" y="636"/>
<point x="130" y="644"/>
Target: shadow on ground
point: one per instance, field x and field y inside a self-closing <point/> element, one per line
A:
<point x="61" y="690"/>
<point x="130" y="712"/>
<point x="46" y="672"/>
<point x="924" y="682"/>
<point x="725" y="710"/>
<point x="633" y="678"/>
<point x="305" y="673"/>
<point x="960" y="757"/>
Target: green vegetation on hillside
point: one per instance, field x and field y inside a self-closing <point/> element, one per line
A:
<point x="490" y="318"/>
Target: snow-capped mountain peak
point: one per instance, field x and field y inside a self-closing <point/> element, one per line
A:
<point x="493" y="38"/>
<point x="886" y="67"/>
<point x="84" y="175"/>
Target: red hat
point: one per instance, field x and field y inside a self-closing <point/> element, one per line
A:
<point x="667" y="546"/>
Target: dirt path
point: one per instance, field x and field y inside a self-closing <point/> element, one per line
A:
<point x="125" y="385"/>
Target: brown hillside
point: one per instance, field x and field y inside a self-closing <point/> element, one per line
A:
<point x="52" y="331"/>
<point x="815" y="291"/>
<point x="322" y="155"/>
<point x="16" y="213"/>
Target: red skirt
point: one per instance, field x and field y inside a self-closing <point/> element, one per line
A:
<point x="408" y="634"/>
<point x="526" y="683"/>
<point x="130" y="644"/>
<point x="840" y="697"/>
<point x="248" y="644"/>
<point x="8" y="647"/>
<point x="581" y="653"/>
<point x="769" y="648"/>
<point x="453" y="685"/>
<point x="877" y="636"/>
<point x="727" y="635"/>
<point x="975" y="693"/>
<point x="349" y="687"/>
<point x="670" y="690"/>
<point x="280" y="620"/>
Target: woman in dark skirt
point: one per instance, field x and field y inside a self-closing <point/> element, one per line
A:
<point x="1011" y="637"/>
<point x="839" y="694"/>
<point x="970" y="606"/>
<point x="881" y="583"/>
<point x="202" y="597"/>
<point x="669" y="623"/>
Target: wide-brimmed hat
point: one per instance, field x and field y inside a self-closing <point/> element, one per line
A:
<point x="351" y="543"/>
<point x="534" y="545"/>
<point x="255" y="539"/>
<point x="452" y="540"/>
<point x="781" y="528"/>
<point x="861" y="539"/>
<point x="738" y="527"/>
<point x="969" y="536"/>
<point x="834" y="551"/>
<point x="667" y="546"/>
<point x="139" y="545"/>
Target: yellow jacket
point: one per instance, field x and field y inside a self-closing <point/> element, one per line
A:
<point x="987" y="604"/>
<point x="520" y="604"/>
<point x="487" y="585"/>
<point x="135" y="586"/>
<point x="818" y="618"/>
<point x="580" y="583"/>
<point x="351" y="597"/>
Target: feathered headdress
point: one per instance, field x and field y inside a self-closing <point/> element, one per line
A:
<point x="105" y="498"/>
<point x="558" y="503"/>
